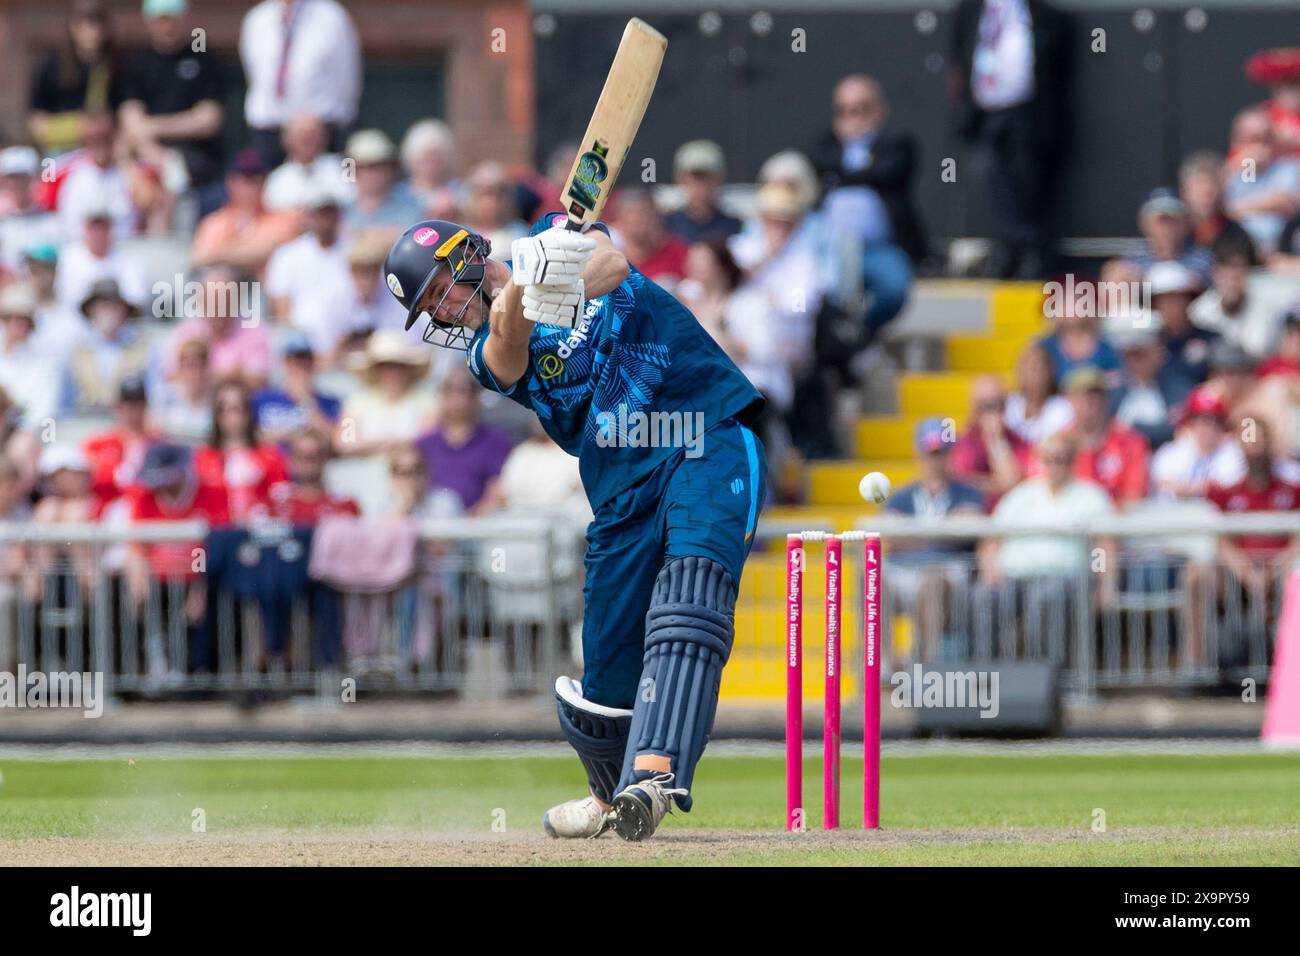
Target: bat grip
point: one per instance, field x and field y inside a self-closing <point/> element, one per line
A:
<point x="573" y="225"/>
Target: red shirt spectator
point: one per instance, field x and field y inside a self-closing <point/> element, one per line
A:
<point x="1278" y="365"/>
<point x="170" y="489"/>
<point x="1120" y="464"/>
<point x="247" y="475"/>
<point x="990" y="455"/>
<point x="1247" y="495"/>
<point x="300" y="505"/>
<point x="115" y="456"/>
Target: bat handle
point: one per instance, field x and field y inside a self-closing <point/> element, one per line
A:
<point x="573" y="225"/>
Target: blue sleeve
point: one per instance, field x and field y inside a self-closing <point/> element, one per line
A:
<point x="549" y="220"/>
<point x="518" y="392"/>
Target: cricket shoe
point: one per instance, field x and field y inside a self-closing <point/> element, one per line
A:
<point x="640" y="808"/>
<point x="577" y="819"/>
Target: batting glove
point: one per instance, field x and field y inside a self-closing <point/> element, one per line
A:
<point x="554" y="305"/>
<point x="555" y="257"/>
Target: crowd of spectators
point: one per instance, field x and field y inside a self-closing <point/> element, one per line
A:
<point x="191" y="328"/>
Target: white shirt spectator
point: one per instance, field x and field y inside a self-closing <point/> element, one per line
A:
<point x="315" y="280"/>
<point x="87" y="188"/>
<point x="291" y="183"/>
<point x="1002" y="74"/>
<point x="1055" y="415"/>
<point x="22" y="230"/>
<point x="1181" y="462"/>
<point x="59" y="330"/>
<point x="79" y="270"/>
<point x="1032" y="502"/>
<point x="1257" y="326"/>
<point x="376" y="419"/>
<point x="34" y="381"/>
<point x="317" y="71"/>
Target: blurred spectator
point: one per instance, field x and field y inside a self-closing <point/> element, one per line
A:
<point x="989" y="456"/>
<point x="370" y="305"/>
<point x="238" y="345"/>
<point x="1150" y="391"/>
<point x="83" y="75"/>
<point x="1263" y="189"/>
<point x="1287" y="360"/>
<point x="1105" y="452"/>
<point x="96" y="184"/>
<point x="117" y="455"/>
<point x="539" y="476"/>
<point x="95" y="257"/>
<point x="381" y="202"/>
<point x="866" y="171"/>
<point x="838" y="276"/>
<point x="299" y="57"/>
<point x="1232" y="376"/>
<point x="59" y="329"/>
<point x="1200" y="187"/>
<point x="172" y="105"/>
<point x="235" y="458"/>
<point x="656" y="253"/>
<point x="413" y="495"/>
<point x="1009" y="63"/>
<point x="392" y="408"/>
<point x="429" y="158"/>
<point x="182" y="405"/>
<point x="461" y="452"/>
<point x="30" y="379"/>
<point x="302" y="498"/>
<point x="1166" y="226"/>
<point x="244" y="232"/>
<point x="295" y="404"/>
<point x="1203" y="453"/>
<point x="1279" y="70"/>
<point x="924" y="567"/>
<point x="112" y="351"/>
<point x="1173" y="287"/>
<point x="309" y="167"/>
<point x="1057" y="496"/>
<point x="711" y="277"/>
<point x="19" y="444"/>
<point x="700" y="169"/>
<point x="1035" y="409"/>
<point x="1242" y="306"/>
<point x="66" y="499"/>
<point x="307" y="280"/>
<point x="490" y="207"/>
<point x="1257" y="562"/>
<point x="1076" y="340"/>
<point x="169" y="488"/>
<point x="768" y="318"/>
<point x="23" y="223"/>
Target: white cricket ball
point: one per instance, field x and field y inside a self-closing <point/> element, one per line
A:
<point x="874" y="487"/>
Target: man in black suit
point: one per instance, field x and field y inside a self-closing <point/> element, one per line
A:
<point x="866" y="171"/>
<point x="1008" y="65"/>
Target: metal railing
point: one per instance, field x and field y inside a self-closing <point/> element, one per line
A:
<point x="1140" y="600"/>
<point x="494" y="605"/>
<point x="488" y="607"/>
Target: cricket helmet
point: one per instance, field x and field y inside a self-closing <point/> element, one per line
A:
<point x="418" y="257"/>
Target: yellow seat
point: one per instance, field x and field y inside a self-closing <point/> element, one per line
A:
<point x="836" y="482"/>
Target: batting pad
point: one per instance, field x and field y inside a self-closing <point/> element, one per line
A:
<point x="689" y="630"/>
<point x="599" y="735"/>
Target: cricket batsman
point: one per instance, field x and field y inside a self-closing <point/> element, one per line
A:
<point x="568" y="329"/>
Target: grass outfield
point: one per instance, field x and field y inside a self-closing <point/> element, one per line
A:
<point x="986" y="807"/>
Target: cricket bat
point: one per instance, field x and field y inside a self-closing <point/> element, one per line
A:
<point x="614" y="122"/>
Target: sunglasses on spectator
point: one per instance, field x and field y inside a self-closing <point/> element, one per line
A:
<point x="407" y="471"/>
<point x="1057" y="459"/>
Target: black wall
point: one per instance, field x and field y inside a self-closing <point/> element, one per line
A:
<point x="1138" y="108"/>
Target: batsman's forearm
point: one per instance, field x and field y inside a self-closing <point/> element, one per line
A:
<point x="607" y="268"/>
<point x="506" y="349"/>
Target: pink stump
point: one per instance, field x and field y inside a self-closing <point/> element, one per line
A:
<point x="794" y="557"/>
<point x="871" y="616"/>
<point x="831" y="729"/>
